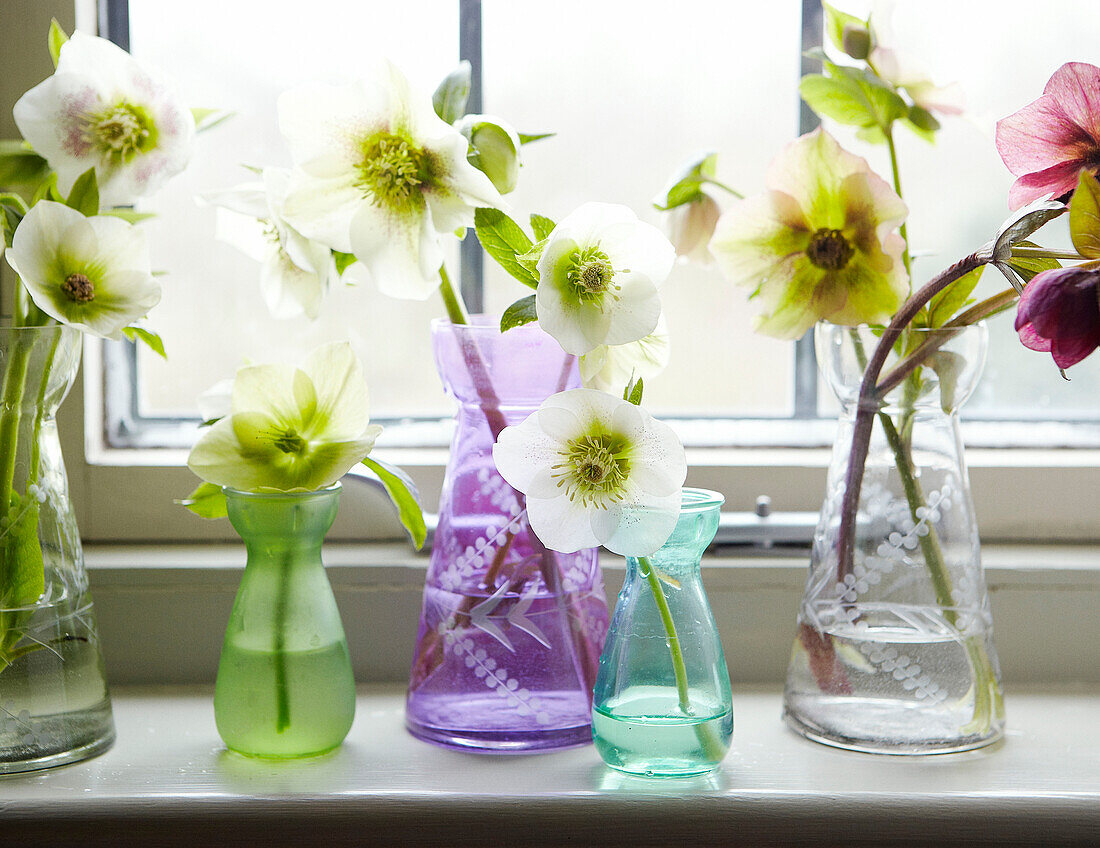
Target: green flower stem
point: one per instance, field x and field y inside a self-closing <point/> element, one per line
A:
<point x="11" y="404"/>
<point x="282" y="697"/>
<point x="40" y="408"/>
<point x="1024" y="251"/>
<point x="712" y="745"/>
<point x="712" y="181"/>
<point x="897" y="190"/>
<point x="452" y="300"/>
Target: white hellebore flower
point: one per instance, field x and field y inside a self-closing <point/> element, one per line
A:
<point x="102" y="109"/>
<point x="290" y="429"/>
<point x="690" y="227"/>
<point x="379" y="175"/>
<point x="596" y="470"/>
<point x="610" y="368"/>
<point x="598" y="278"/>
<point x="89" y="273"/>
<point x="296" y="272"/>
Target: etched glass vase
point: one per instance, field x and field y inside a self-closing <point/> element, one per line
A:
<point x="54" y="707"/>
<point x="285" y="686"/>
<point x="510" y="632"/>
<point x="662" y="705"/>
<point x="894" y="651"/>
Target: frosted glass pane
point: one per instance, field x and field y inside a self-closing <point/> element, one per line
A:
<point x="241" y="56"/>
<point x="632" y="90"/>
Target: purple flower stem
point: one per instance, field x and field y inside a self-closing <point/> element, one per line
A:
<point x="870" y="399"/>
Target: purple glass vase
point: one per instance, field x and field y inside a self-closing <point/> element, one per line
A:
<point x="510" y="632"/>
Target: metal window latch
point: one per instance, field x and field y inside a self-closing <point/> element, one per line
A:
<point x="763" y="528"/>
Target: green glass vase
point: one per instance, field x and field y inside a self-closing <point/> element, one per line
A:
<point x="285" y="686"/>
<point x="662" y="704"/>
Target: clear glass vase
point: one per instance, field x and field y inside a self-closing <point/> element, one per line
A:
<point x="54" y="707"/>
<point x="894" y="651"/>
<point x="285" y="687"/>
<point x="510" y="632"/>
<point x="662" y="705"/>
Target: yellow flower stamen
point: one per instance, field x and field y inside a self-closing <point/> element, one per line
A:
<point x="393" y="171"/>
<point x="594" y="469"/>
<point x="591" y="276"/>
<point x="79" y="288"/>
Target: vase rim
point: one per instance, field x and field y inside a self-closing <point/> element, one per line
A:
<point x="328" y="490"/>
<point x="699" y="500"/>
<point x="6" y="326"/>
<point x="927" y="331"/>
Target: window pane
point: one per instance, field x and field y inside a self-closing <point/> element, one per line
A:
<point x="212" y="316"/>
<point x="633" y="89"/>
<point x="957" y="190"/>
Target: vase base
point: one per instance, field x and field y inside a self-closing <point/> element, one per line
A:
<point x="62" y="758"/>
<point x="502" y="742"/>
<point x="898" y="745"/>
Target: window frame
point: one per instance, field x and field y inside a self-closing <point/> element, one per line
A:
<point x="124" y="490"/>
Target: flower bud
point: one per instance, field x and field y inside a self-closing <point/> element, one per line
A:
<point x="494" y="149"/>
<point x="855" y="40"/>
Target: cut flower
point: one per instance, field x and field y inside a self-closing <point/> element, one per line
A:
<point x="379" y="175"/>
<point x="296" y="272"/>
<point x="610" y="368"/>
<point x="290" y="429"/>
<point x="102" y="109"/>
<point x="1059" y="314"/>
<point x="598" y="278"/>
<point x="820" y="244"/>
<point x="596" y="470"/>
<point x="1050" y="140"/>
<point x="90" y="273"/>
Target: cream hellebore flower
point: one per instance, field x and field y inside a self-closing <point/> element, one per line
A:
<point x="102" y="109"/>
<point x="610" y="368"/>
<point x="598" y="278"/>
<point x="290" y="429"/>
<point x="296" y="272"/>
<point x="379" y="175"/>
<point x="89" y="273"/>
<point x="820" y="244"/>
<point x="690" y="227"/>
<point x="902" y="71"/>
<point x="596" y="470"/>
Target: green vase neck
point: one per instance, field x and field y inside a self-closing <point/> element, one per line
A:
<point x="290" y="520"/>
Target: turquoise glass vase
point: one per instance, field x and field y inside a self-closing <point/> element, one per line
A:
<point x="662" y="705"/>
<point x="285" y="686"/>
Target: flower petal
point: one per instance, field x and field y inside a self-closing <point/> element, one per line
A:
<point x="645" y="526"/>
<point x="1040" y="136"/>
<point x="342" y="407"/>
<point x="282" y="392"/>
<point x="1055" y="181"/>
<point x="521" y="451"/>
<point x="561" y="524"/>
<point x="403" y="253"/>
<point x="1076" y="87"/>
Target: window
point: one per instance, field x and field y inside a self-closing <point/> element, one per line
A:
<point x="632" y="89"/>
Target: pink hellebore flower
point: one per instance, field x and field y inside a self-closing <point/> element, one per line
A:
<point x="1059" y="314"/>
<point x="1050" y="140"/>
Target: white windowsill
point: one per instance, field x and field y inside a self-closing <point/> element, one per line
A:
<point x="169" y="782"/>
<point x="151" y="600"/>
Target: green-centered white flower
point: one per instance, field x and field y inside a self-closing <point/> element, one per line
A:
<point x="596" y="470"/>
<point x="102" y="109"/>
<point x="290" y="429"/>
<point x="379" y="175"/>
<point x="610" y="368"/>
<point x="90" y="273"/>
<point x="820" y="243"/>
<point x="296" y="272"/>
<point x="598" y="278"/>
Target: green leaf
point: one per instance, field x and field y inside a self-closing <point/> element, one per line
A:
<point x="12" y="210"/>
<point x="853" y="97"/>
<point x="207" y="119"/>
<point x="449" y="99"/>
<point x="687" y="185"/>
<point x="1028" y="267"/>
<point x="530" y="259"/>
<point x="207" y="501"/>
<point x="147" y="337"/>
<point x="343" y="261"/>
<point x="519" y="313"/>
<point x="922" y="122"/>
<point x="19" y="165"/>
<point x="129" y="215"/>
<point x="504" y="240"/>
<point x="527" y="138"/>
<point x="633" y="392"/>
<point x="47" y="190"/>
<point x="402" y="491"/>
<point x="943" y="307"/>
<point x="55" y="39"/>
<point x="1084" y="216"/>
<point x="542" y="226"/>
<point x="84" y="197"/>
